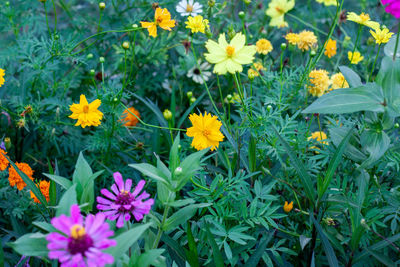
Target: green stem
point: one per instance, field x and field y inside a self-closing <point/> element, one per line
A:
<point x="123" y="85"/>
<point x="397" y="43"/>
<point x="160" y="229"/>
<point x="220" y="95"/>
<point x="356" y="43"/>
<point x="281" y="81"/>
<point x="47" y="19"/>
<point x="55" y="17"/>
<point x="373" y="66"/>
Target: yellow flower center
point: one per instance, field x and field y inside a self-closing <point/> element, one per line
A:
<point x="206" y="132"/>
<point x="364" y="17"/>
<point x="230" y="50"/>
<point x="86" y="108"/>
<point x="280" y="10"/>
<point x="77" y="231"/>
<point x="189" y="8"/>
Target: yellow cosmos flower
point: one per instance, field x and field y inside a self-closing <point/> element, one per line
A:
<point x="86" y="114"/>
<point x="292" y="38"/>
<point x="328" y="2"/>
<point x="363" y="19"/>
<point x="381" y="36"/>
<point x="338" y="81"/>
<point x="229" y="57"/>
<point x="162" y="19"/>
<point x="205" y="131"/>
<point x="197" y="24"/>
<point x="2" y="73"/>
<point x="307" y="40"/>
<point x="355" y="58"/>
<point x="277" y="10"/>
<point x="330" y="48"/>
<point x="319" y="82"/>
<point x="288" y="206"/>
<point x="320" y="137"/>
<point x="263" y="46"/>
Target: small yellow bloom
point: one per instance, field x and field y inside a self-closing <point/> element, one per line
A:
<point x="251" y="74"/>
<point x="338" y="81"/>
<point x="381" y="36"/>
<point x="288" y="206"/>
<point x="197" y="24"/>
<point x="320" y="137"/>
<point x="292" y="38"/>
<point x="258" y="66"/>
<point x="319" y="82"/>
<point x="2" y="73"/>
<point x="162" y="18"/>
<point x="277" y="10"/>
<point x="330" y="48"/>
<point x="355" y="58"/>
<point x="307" y="40"/>
<point x="328" y="2"/>
<point x="86" y="114"/>
<point x="229" y="57"/>
<point x="263" y="46"/>
<point x="363" y="19"/>
<point x="205" y="131"/>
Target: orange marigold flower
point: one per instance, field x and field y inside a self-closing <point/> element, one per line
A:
<point x="330" y="48"/>
<point x="44" y="187"/>
<point x="128" y="118"/>
<point x="15" y="179"/>
<point x="288" y="206"/>
<point x="3" y="160"/>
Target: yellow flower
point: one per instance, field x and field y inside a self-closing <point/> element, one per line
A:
<point x="162" y="18"/>
<point x="381" y="36"/>
<point x="44" y="187"/>
<point x="355" y="58"/>
<point x="263" y="46"/>
<point x="258" y="66"/>
<point x="319" y="80"/>
<point x="328" y="2"/>
<point x="288" y="206"/>
<point x="292" y="38"/>
<point x="277" y="10"/>
<point x="205" y="131"/>
<point x="307" y="40"/>
<point x="330" y="48"/>
<point x="2" y="77"/>
<point x="320" y="137"/>
<point x="363" y="19"/>
<point x="229" y="57"/>
<point x="251" y="73"/>
<point x="86" y="114"/>
<point x="338" y="81"/>
<point x="197" y="24"/>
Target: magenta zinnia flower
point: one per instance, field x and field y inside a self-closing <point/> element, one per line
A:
<point x="82" y="241"/>
<point x="393" y="7"/>
<point x="121" y="203"/>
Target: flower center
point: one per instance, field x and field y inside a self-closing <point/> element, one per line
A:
<point x="196" y="71"/>
<point x="206" y="132"/>
<point x="124" y="199"/>
<point x="230" y="50"/>
<point x="364" y="17"/>
<point x="86" y="108"/>
<point x="79" y="242"/>
<point x="280" y="10"/>
<point x="189" y="8"/>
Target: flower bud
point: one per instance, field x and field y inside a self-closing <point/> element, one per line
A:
<point x="242" y="15"/>
<point x="192" y="100"/>
<point x="229" y="98"/>
<point x="92" y="72"/>
<point x="7" y="142"/>
<point x="167" y="114"/>
<point x="346" y="42"/>
<point x="396" y="125"/>
<point x="313" y="53"/>
<point x="371" y="41"/>
<point x="283" y="46"/>
<point x="125" y="45"/>
<point x="102" y="59"/>
<point x="53" y="131"/>
<point x="89" y="56"/>
<point x="56" y="37"/>
<point x="211" y="3"/>
<point x="189" y="94"/>
<point x="7" y="3"/>
<point x="115" y="99"/>
<point x="231" y="33"/>
<point x="178" y="171"/>
<point x="251" y="74"/>
<point x="102" y="5"/>
<point x="247" y="2"/>
<point x="134" y="26"/>
<point x="269" y="107"/>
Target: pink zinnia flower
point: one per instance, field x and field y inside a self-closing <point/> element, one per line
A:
<point x="393" y="7"/>
<point x="82" y="241"/>
<point x="121" y="203"/>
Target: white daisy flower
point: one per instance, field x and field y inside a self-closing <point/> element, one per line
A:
<point x="189" y="7"/>
<point x="194" y="72"/>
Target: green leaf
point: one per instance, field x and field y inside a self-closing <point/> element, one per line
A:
<point x="389" y="78"/>
<point x="376" y="143"/>
<point x="390" y="46"/>
<point x="45" y="226"/>
<point x="191" y="254"/>
<point x="82" y="173"/>
<point x="384" y="260"/>
<point x="150" y="171"/>
<point x="174" y="154"/>
<point x="29" y="183"/>
<point x="63" y="182"/>
<point x="66" y="201"/>
<point x="190" y="166"/>
<point x="334" y="163"/>
<point x="252" y="153"/>
<point x="330" y="254"/>
<point x="299" y="167"/>
<point x="217" y="256"/>
<point x="126" y="240"/>
<point x="351" y="77"/>
<point x="32" y="245"/>
<point x="259" y="252"/>
<point x="368" y="97"/>
<point x="338" y="134"/>
<point x="88" y="191"/>
<point x="148" y="258"/>
<point x="182" y="215"/>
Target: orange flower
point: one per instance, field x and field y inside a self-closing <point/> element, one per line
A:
<point x="3" y="160"/>
<point x="44" y="187"/>
<point x="162" y="18"/>
<point x="129" y="118"/>
<point x="330" y="48"/>
<point x="15" y="179"/>
<point x="288" y="206"/>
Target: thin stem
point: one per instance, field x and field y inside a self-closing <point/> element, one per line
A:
<point x="356" y="43"/>
<point x="47" y="19"/>
<point x="160" y="230"/>
<point x="397" y="43"/>
<point x="55" y="17"/>
<point x="280" y="81"/>
<point x="373" y="66"/>
<point x="123" y="85"/>
<point x="98" y="26"/>
<point x="220" y="94"/>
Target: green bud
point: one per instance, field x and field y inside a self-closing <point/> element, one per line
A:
<point x="167" y="114"/>
<point x="89" y="56"/>
<point x="134" y="26"/>
<point x="178" y="171"/>
<point x="283" y="46"/>
<point x="396" y="125"/>
<point x="192" y="100"/>
<point x="102" y="5"/>
<point x="125" y="45"/>
<point x="56" y="37"/>
<point x="92" y="72"/>
<point x="269" y="107"/>
<point x="189" y="94"/>
<point x="247" y="2"/>
<point x="102" y="59"/>
<point x="211" y="3"/>
<point x="7" y="3"/>
<point x="313" y="53"/>
<point x="7" y="143"/>
<point x="242" y="15"/>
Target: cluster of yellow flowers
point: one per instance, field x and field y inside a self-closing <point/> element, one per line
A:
<point x="321" y="83"/>
<point x="304" y="40"/>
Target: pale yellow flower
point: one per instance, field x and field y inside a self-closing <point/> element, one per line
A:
<point x="277" y="10"/>
<point x="363" y="19"/>
<point x="328" y="2"/>
<point x="355" y="58"/>
<point x="381" y="36"/>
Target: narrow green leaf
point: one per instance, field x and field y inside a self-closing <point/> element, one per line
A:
<point x="182" y="215"/>
<point x="330" y="254"/>
<point x="63" y="182"/>
<point x="217" y="256"/>
<point x="258" y="253"/>
<point x="174" y="154"/>
<point x="389" y="78"/>
<point x="351" y="77"/>
<point x="149" y="258"/>
<point x="301" y="170"/>
<point x="150" y="171"/>
<point x="192" y="256"/>
<point x="33" y="244"/>
<point x="66" y="201"/>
